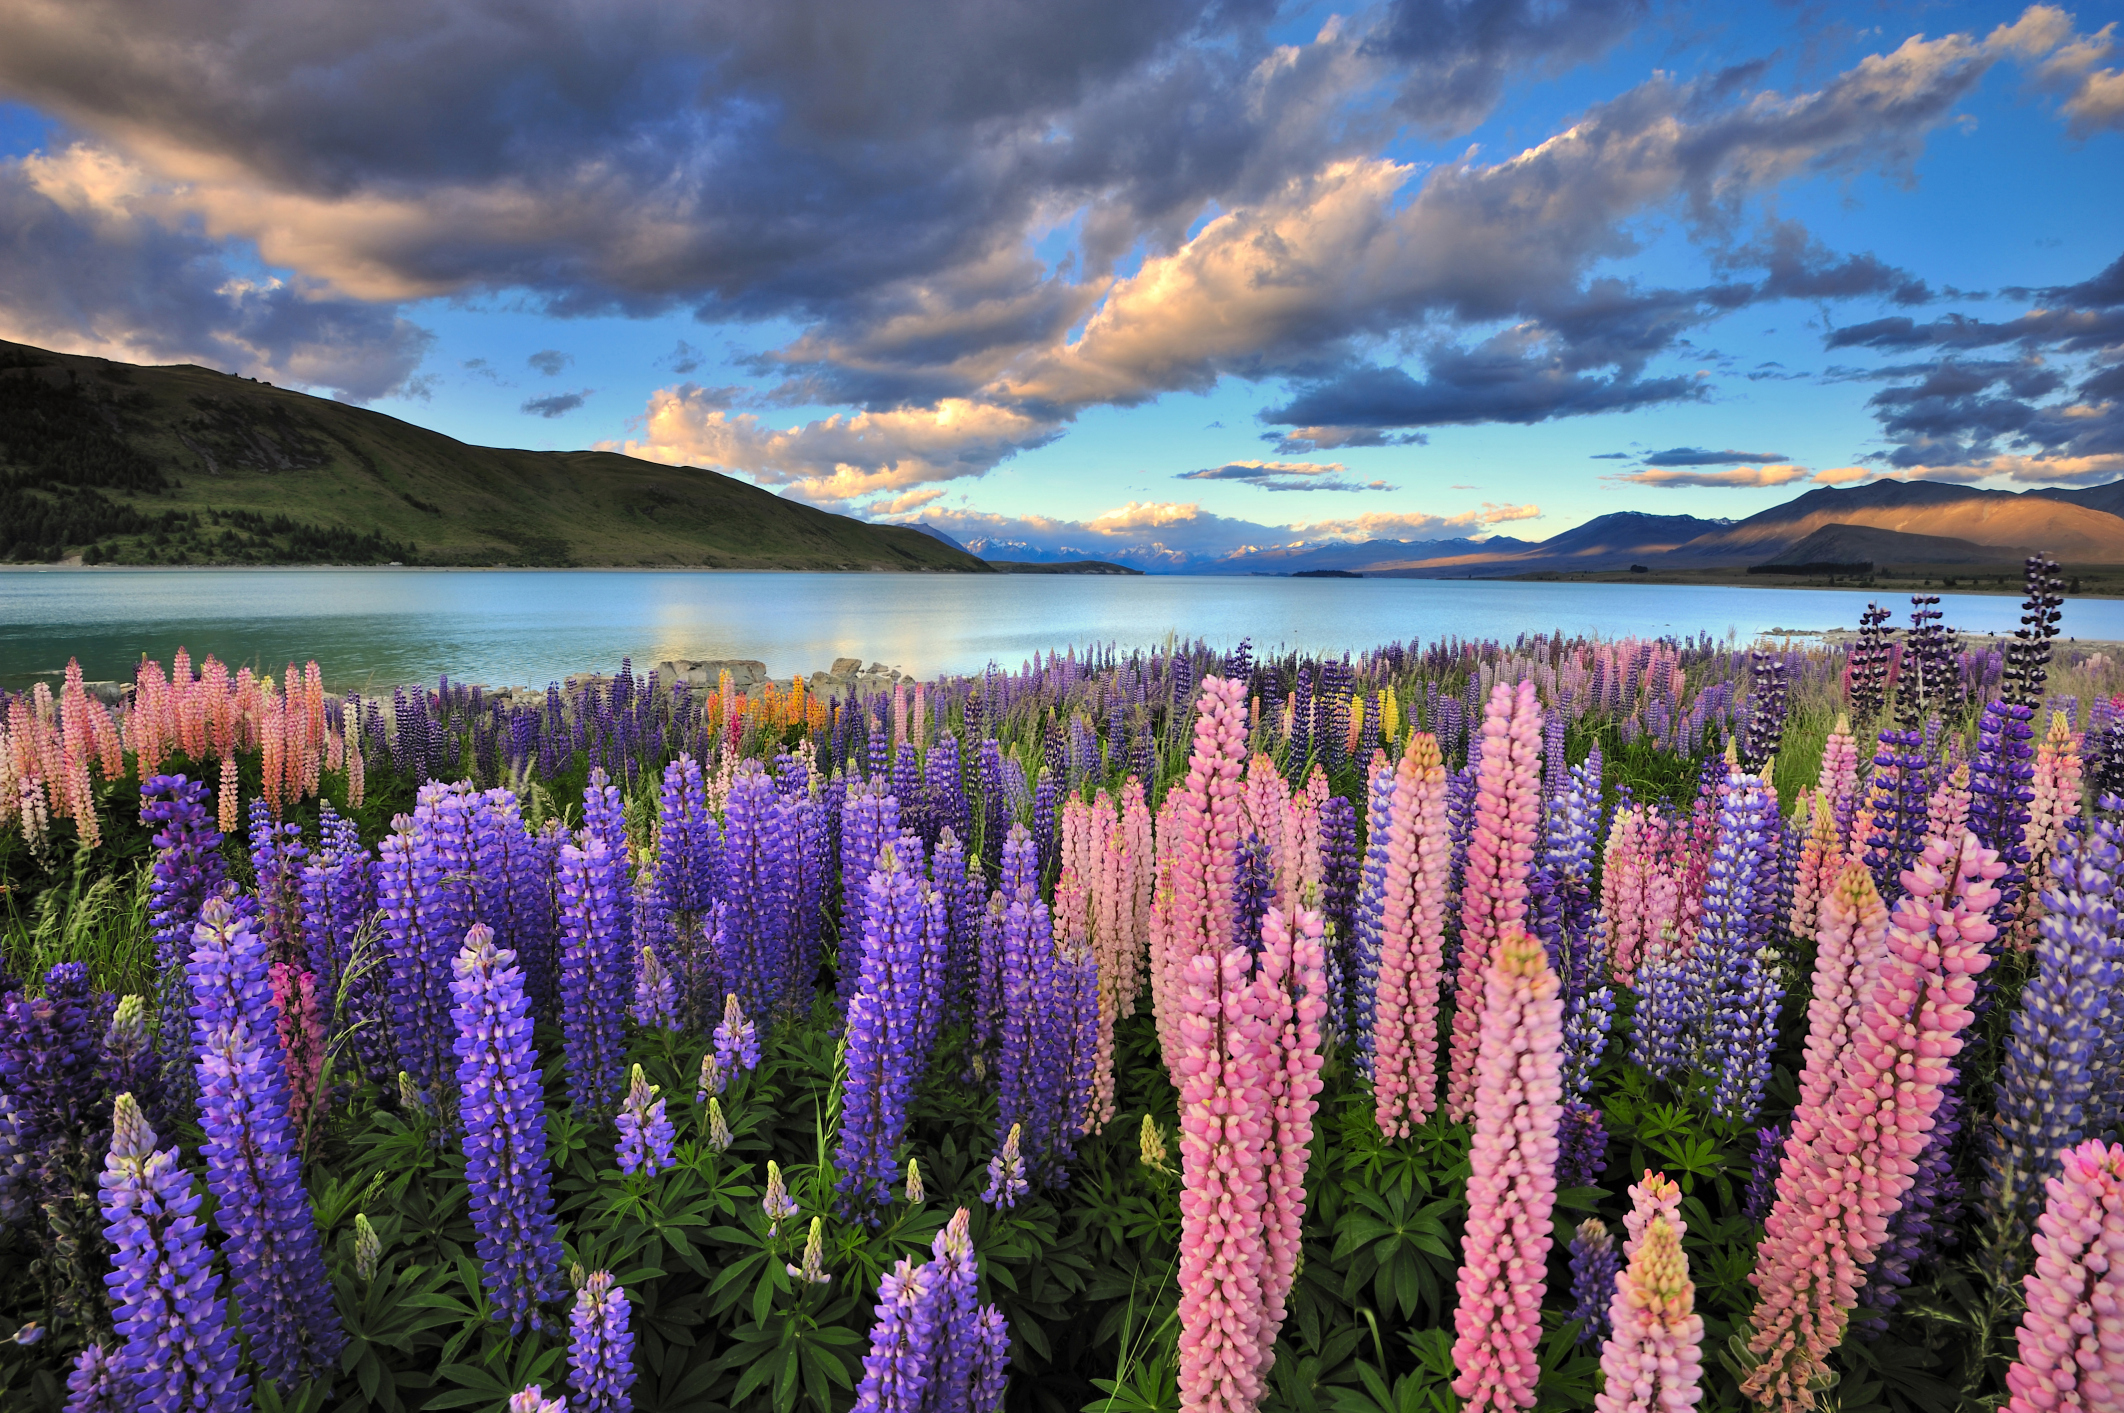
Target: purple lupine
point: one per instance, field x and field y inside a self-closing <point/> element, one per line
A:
<point x="1762" y="1180"/>
<point x="1043" y="1041"/>
<point x="516" y="894"/>
<point x="907" y="787"/>
<point x="1046" y="812"/>
<point x="2051" y="1067"/>
<point x="886" y="1049"/>
<point x="1735" y="993"/>
<point x="274" y="1252"/>
<point x="338" y="901"/>
<point x="52" y="1065"/>
<point x="757" y="867"/>
<point x="1371" y="912"/>
<point x="502" y="1106"/>
<point x="1595" y="1263"/>
<point x="130" y="1064"/>
<point x="600" y="1348"/>
<point x="930" y="1347"/>
<point x="1899" y="820"/>
<point x="1339" y="866"/>
<point x="944" y="792"/>
<point x="656" y="1003"/>
<point x="736" y="1039"/>
<point x="178" y="1351"/>
<point x="593" y="973"/>
<point x="96" y="1384"/>
<point x="869" y="819"/>
<point x="14" y="1164"/>
<point x="645" y="1131"/>
<point x="188" y="870"/>
<point x="1581" y="1144"/>
<point x="277" y="858"/>
<point x="1568" y="923"/>
<point x="991" y="1362"/>
<point x="2001" y="773"/>
<point x="996" y="809"/>
<point x="809" y="845"/>
<point x="1006" y="1171"/>
<point x="962" y="903"/>
<point x="689" y="884"/>
<point x="1252" y="891"/>
<point x="426" y="883"/>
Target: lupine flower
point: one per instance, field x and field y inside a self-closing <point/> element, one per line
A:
<point x="273" y="1248"/>
<point x="426" y="883"/>
<point x="645" y="1131"/>
<point x="759" y="862"/>
<point x="1512" y="1182"/>
<point x="368" y="1250"/>
<point x="2069" y="1354"/>
<point x="2054" y="803"/>
<point x="688" y="883"/>
<point x="1500" y="854"/>
<point x="1150" y="1146"/>
<point x="737" y="1040"/>
<point x="532" y="1399"/>
<point x="302" y="1040"/>
<point x="2051" y="1070"/>
<point x="1735" y="992"/>
<point x="593" y="972"/>
<point x="719" y="1135"/>
<point x="1195" y="916"/>
<point x="178" y="1351"/>
<point x="929" y="1346"/>
<point x="1653" y="1362"/>
<point x="130" y="1064"/>
<point x="600" y="1348"/>
<point x="338" y="904"/>
<point x="1762" y="1181"/>
<point x="914" y="1191"/>
<point x="1006" y="1173"/>
<point x="1594" y="1265"/>
<point x="903" y="947"/>
<point x="95" y="1384"/>
<point x="1411" y="942"/>
<point x="2001" y="776"/>
<point x="1839" y="1186"/>
<point x="188" y="870"/>
<point x="711" y="1081"/>
<point x="504" y="1125"/>
<point x="813" y="1269"/>
<point x="778" y="1204"/>
<point x="1371" y="912"/>
<point x="656" y="1002"/>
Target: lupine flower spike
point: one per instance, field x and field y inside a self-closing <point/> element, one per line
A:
<point x="1653" y="1362"/>
<point x="600" y="1348"/>
<point x="813" y="1269"/>
<point x="1006" y="1172"/>
<point x="778" y="1204"/>
<point x="737" y="1040"/>
<point x="645" y="1131"/>
<point x="2071" y="1349"/>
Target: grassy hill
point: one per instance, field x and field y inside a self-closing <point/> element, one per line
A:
<point x="183" y="465"/>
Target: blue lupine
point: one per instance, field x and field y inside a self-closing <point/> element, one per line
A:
<point x="516" y="894"/>
<point x="907" y="786"/>
<point x="277" y="857"/>
<point x="2051" y="1071"/>
<point x="188" y="870"/>
<point x="962" y="899"/>
<point x="1595" y="1263"/>
<point x="996" y="812"/>
<point x="274" y="1252"/>
<point x="1735" y="993"/>
<point x="600" y="1348"/>
<point x="1762" y="1180"/>
<point x="51" y="1062"/>
<point x="338" y="903"/>
<point x="96" y="1384"/>
<point x="426" y="883"/>
<point x="645" y="1130"/>
<point x="1371" y="911"/>
<point x="737" y="1040"/>
<point x="1899" y="818"/>
<point x="1339" y="866"/>
<point x="927" y="1345"/>
<point x="1049" y="1005"/>
<point x="889" y="1030"/>
<point x="178" y="1351"/>
<point x="656" y="1002"/>
<point x="757" y="865"/>
<point x="2001" y="773"/>
<point x="502" y="1106"/>
<point x="944" y="792"/>
<point x="1581" y="1144"/>
<point x="593" y="973"/>
<point x="1006" y="1171"/>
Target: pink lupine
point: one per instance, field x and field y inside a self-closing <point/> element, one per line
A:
<point x="1291" y="983"/>
<point x="1657" y="1195"/>
<point x="1411" y="942"/>
<point x="1851" y="938"/>
<point x="1205" y="829"/>
<point x="1141" y="873"/>
<point x="1947" y="807"/>
<point x="1837" y="787"/>
<point x="1512" y="1179"/>
<point x="302" y="1039"/>
<point x="1653" y="1361"/>
<point x="1837" y="1192"/>
<point x="2054" y="802"/>
<point x="1623" y="879"/>
<point x="1821" y="864"/>
<point x="1224" y="1061"/>
<point x="1500" y="853"/>
<point x="2071" y="1352"/>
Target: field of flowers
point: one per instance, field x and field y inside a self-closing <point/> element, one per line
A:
<point x="1556" y="1023"/>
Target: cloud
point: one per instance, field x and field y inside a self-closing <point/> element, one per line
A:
<point x="837" y="459"/>
<point x="84" y="269"/>
<point x="684" y="359"/>
<point x="1737" y="477"/>
<point x="1286" y="476"/>
<point x="557" y="404"/>
<point x="2064" y="66"/>
<point x="1697" y="456"/>
<point x="1302" y="441"/>
<point x="1458" y="55"/>
<point x="550" y="361"/>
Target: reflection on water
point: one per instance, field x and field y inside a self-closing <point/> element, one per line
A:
<point x="381" y="627"/>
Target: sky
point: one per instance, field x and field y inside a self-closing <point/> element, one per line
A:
<point x="1158" y="281"/>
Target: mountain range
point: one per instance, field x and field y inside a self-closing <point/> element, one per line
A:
<point x="115" y="462"/>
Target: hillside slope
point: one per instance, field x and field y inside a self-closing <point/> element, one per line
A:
<point x="184" y="465"/>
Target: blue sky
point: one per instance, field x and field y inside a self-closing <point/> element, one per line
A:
<point x="1154" y="280"/>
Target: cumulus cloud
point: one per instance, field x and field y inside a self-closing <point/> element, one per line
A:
<point x="550" y="361"/>
<point x="556" y="404"/>
<point x="1286" y="476"/>
<point x="836" y="459"/>
<point x="85" y="268"/>
<point x="1734" y="477"/>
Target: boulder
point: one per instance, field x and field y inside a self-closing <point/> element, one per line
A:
<point x="845" y="667"/>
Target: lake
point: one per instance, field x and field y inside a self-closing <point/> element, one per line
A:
<point x="379" y="627"/>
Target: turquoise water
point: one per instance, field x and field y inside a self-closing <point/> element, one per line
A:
<point x="382" y="627"/>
